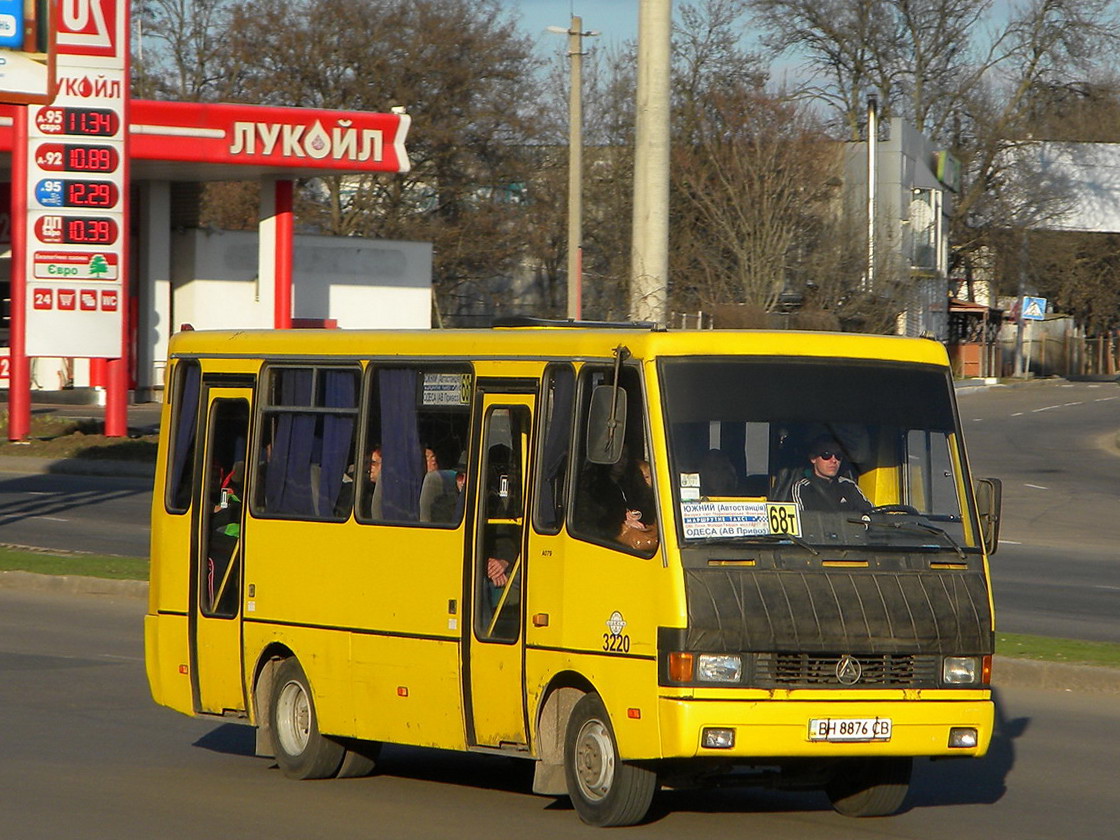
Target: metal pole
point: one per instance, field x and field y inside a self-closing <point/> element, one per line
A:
<point x="575" y="170"/>
<point x="1021" y="371"/>
<point x="872" y="184"/>
<point x="649" y="253"/>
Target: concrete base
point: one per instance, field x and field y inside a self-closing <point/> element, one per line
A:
<point x="69" y="396"/>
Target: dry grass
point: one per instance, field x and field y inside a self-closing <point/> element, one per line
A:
<point x="54" y="436"/>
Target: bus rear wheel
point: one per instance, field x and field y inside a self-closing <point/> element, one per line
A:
<point x="301" y="751"/>
<point x="604" y="790"/>
<point x="360" y="759"/>
<point x="869" y="787"/>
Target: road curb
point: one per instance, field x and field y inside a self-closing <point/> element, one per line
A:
<point x="1061" y="676"/>
<point x="73" y="584"/>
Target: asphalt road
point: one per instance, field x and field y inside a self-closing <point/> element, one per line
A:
<point x="1054" y="445"/>
<point x="84" y="753"/>
<point x="103" y="515"/>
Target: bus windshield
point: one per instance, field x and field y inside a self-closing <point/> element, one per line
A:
<point x="836" y="453"/>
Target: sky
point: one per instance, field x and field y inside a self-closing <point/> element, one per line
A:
<point x="616" y="20"/>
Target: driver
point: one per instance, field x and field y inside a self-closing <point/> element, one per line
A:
<point x="823" y="488"/>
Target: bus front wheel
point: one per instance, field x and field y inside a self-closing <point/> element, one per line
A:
<point x="301" y="751"/>
<point x="869" y="787"/>
<point x="604" y="790"/>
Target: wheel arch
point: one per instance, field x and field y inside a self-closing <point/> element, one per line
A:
<point x="264" y="672"/>
<point x="559" y="697"/>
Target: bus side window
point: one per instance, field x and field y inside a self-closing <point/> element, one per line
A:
<point x="614" y="503"/>
<point x="417" y="428"/>
<point x="559" y="399"/>
<point x="305" y="451"/>
<point x="184" y="434"/>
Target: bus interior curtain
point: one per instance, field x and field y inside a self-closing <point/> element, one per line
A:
<point x="340" y="391"/>
<point x="288" y="485"/>
<point x="401" y="458"/>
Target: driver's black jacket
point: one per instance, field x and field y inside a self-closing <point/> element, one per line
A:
<point x="829" y="494"/>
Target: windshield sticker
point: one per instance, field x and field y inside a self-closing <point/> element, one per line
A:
<point x="739" y="519"/>
<point x="690" y="486"/>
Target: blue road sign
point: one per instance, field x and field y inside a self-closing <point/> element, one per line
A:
<point x="11" y="24"/>
<point x="1034" y="308"/>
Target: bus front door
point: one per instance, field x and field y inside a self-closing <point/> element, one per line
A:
<point x="216" y="561"/>
<point x="495" y="677"/>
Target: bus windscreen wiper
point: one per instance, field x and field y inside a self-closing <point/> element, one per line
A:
<point x="912" y="527"/>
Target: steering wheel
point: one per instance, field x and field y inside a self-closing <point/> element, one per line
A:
<point x="895" y="509"/>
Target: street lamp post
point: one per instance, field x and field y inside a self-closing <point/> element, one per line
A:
<point x="575" y="35"/>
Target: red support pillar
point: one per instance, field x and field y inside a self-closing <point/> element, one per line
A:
<point x="116" y="398"/>
<point x="282" y="319"/>
<point x="19" y="383"/>
<point x="118" y="380"/>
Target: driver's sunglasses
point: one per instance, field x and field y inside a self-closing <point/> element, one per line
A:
<point x="828" y="455"/>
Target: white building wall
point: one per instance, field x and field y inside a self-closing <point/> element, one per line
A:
<point x="361" y="284"/>
<point x="904" y="166"/>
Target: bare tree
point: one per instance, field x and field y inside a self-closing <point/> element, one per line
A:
<point x="608" y="132"/>
<point x="176" y="48"/>
<point x="753" y="189"/>
<point x="755" y="177"/>
<point x="467" y="78"/>
<point x="967" y="74"/>
<point x="926" y="59"/>
<point x="837" y="41"/>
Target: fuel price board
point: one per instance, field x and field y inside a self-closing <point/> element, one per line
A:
<point x="76" y="194"/>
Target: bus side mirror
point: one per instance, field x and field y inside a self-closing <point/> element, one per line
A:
<point x="989" y="500"/>
<point x="606" y="424"/>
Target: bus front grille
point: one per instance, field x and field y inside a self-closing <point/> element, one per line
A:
<point x="817" y="670"/>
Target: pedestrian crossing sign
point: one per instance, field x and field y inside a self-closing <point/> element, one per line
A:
<point x="1034" y="308"/>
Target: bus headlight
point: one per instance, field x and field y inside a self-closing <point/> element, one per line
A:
<point x="961" y="670"/>
<point x="719" y="667"/>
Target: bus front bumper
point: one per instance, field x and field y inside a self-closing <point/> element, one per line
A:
<point x="785" y="728"/>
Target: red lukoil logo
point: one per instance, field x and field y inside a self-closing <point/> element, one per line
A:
<point x="87" y="27"/>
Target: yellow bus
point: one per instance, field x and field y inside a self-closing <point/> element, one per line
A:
<point x="635" y="557"/>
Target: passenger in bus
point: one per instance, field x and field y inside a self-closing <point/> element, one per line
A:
<point x="373" y="486"/>
<point x="717" y="475"/>
<point x="497" y="569"/>
<point x="431" y="462"/>
<point x="226" y="518"/>
<point x="823" y="488"/>
<point x="636" y="533"/>
<point x="439" y="493"/>
<point x="225" y="529"/>
<point x="502" y="507"/>
<point x="617" y="503"/>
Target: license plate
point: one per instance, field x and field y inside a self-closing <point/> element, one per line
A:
<point x="850" y="729"/>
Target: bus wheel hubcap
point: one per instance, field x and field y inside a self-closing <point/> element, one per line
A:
<point x="293" y="719"/>
<point x="594" y="760"/>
